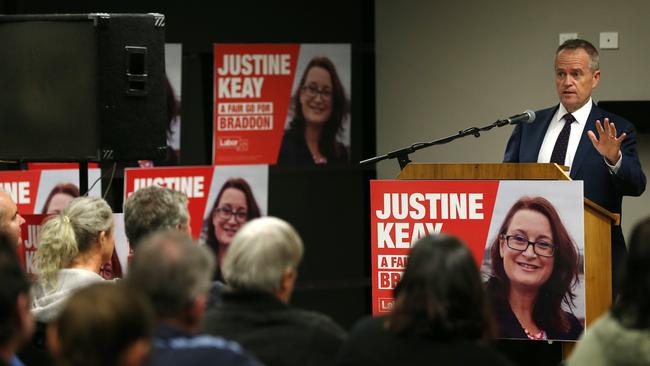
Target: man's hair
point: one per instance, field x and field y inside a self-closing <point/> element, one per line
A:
<point x="574" y="44"/>
<point x="260" y="253"/>
<point x="152" y="209"/>
<point x="171" y="270"/>
<point x="13" y="282"/>
<point x="100" y="322"/>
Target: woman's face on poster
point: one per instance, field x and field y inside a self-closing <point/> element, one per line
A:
<point x="58" y="203"/>
<point x="316" y="96"/>
<point x="527" y="269"/>
<point x="229" y="215"/>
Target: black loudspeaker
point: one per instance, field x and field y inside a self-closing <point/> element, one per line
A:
<point x="82" y="87"/>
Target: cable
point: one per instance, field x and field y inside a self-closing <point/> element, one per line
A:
<point x="110" y="181"/>
<point x="100" y="178"/>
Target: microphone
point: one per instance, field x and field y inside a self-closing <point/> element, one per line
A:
<point x="527" y="117"/>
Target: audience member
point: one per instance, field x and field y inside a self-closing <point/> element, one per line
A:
<point x="102" y="325"/>
<point x="10" y="219"/>
<point x="16" y="321"/>
<point x="440" y="315"/>
<point x="154" y="208"/>
<point x="260" y="269"/>
<point x="175" y="274"/>
<point x="622" y="336"/>
<point x="72" y="248"/>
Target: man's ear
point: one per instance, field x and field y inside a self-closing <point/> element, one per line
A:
<point x="199" y="305"/>
<point x="287" y="284"/>
<point x="137" y="353"/>
<point x="595" y="79"/>
<point x="195" y="310"/>
<point x="187" y="228"/>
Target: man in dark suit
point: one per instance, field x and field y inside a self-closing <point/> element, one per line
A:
<point x="598" y="147"/>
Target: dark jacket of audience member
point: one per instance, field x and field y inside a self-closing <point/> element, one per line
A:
<point x="16" y="321"/>
<point x="174" y="273"/>
<point x="276" y="333"/>
<point x="440" y="315"/>
<point x="260" y="267"/>
<point x="622" y="336"/>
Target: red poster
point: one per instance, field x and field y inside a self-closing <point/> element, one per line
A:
<point x="22" y="186"/>
<point x="252" y="91"/>
<point x="30" y="233"/>
<point x="193" y="181"/>
<point x="201" y="185"/>
<point x="404" y="211"/>
<point x="524" y="235"/>
<point x="45" y="190"/>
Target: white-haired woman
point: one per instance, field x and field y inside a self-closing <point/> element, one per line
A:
<point x="72" y="248"/>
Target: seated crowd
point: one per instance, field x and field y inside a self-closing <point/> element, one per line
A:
<point x="168" y="311"/>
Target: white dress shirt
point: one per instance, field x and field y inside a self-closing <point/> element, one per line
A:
<point x="577" y="129"/>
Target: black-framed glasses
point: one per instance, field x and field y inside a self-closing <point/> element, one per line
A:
<point x="312" y="91"/>
<point x="521" y="243"/>
<point x="225" y="213"/>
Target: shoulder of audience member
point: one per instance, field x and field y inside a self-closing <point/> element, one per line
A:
<point x="320" y="322"/>
<point x="206" y="346"/>
<point x="369" y="332"/>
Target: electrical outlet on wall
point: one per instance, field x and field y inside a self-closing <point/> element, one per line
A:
<point x="608" y="40"/>
<point x="567" y="36"/>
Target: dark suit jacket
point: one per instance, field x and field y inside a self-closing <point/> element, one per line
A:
<point x="600" y="185"/>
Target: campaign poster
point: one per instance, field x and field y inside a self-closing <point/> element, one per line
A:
<point x="173" y="71"/>
<point x="45" y="191"/>
<point x="524" y="235"/>
<point x="282" y="103"/>
<point x="201" y="185"/>
<point x="31" y="231"/>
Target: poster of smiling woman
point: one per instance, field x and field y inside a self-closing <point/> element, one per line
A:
<point x="533" y="261"/>
<point x="527" y="237"/>
<point x="282" y="103"/>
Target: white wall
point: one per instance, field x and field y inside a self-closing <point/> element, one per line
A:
<point x="445" y="66"/>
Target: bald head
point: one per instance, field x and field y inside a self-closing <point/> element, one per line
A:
<point x="10" y="219"/>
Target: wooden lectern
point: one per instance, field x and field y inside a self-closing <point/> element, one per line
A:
<point x="598" y="221"/>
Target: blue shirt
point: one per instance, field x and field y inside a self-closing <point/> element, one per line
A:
<point x="172" y="346"/>
<point x="15" y="362"/>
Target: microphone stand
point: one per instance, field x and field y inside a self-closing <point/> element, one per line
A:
<point x="402" y="154"/>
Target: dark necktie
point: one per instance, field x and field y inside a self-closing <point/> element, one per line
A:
<point x="559" y="150"/>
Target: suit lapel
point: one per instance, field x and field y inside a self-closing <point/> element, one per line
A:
<point x="537" y="136"/>
<point x="585" y="144"/>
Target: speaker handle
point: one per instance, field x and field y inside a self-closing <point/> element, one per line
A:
<point x="136" y="71"/>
